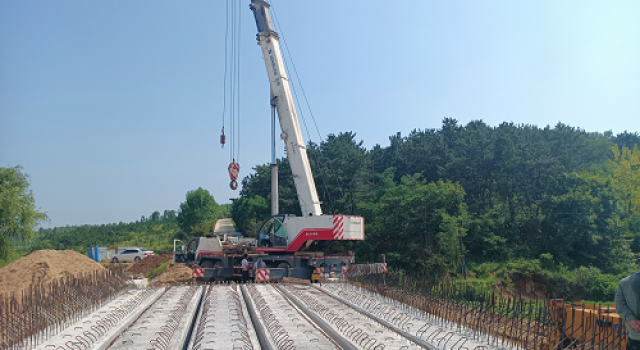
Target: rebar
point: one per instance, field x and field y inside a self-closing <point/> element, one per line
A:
<point x="491" y="315"/>
<point x="41" y="311"/>
<point x="222" y="320"/>
<point x="336" y="318"/>
<point x="279" y="335"/>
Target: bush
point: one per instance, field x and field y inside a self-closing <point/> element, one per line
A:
<point x="600" y="287"/>
<point x="584" y="283"/>
<point x="486" y="270"/>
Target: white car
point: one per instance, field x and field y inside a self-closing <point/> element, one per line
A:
<point x="129" y="255"/>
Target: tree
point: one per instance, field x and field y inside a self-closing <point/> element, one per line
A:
<point x="169" y="215"/>
<point x="513" y="180"/>
<point x="248" y="213"/>
<point x="18" y="214"/>
<point x="155" y="216"/>
<point x="596" y="214"/>
<point x="627" y="139"/>
<point x="418" y="225"/>
<point x="199" y="208"/>
<point x="342" y="172"/>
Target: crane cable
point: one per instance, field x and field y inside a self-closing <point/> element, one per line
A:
<point x="223" y="138"/>
<point x="233" y="24"/>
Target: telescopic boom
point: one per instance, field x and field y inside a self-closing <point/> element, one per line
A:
<point x="268" y="40"/>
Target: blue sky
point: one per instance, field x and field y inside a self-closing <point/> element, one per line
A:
<point x="114" y="108"/>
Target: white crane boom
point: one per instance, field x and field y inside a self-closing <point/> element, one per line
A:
<point x="268" y="40"/>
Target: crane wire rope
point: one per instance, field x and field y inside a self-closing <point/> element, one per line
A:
<point x="233" y="79"/>
<point x="238" y="80"/>
<point x="299" y="81"/>
<point x="232" y="84"/>
<point x="224" y="79"/>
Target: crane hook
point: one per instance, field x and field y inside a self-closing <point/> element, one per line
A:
<point x="234" y="169"/>
<point x="223" y="138"/>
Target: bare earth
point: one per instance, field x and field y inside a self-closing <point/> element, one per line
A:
<point x="44" y="266"/>
<point x="148" y="264"/>
<point x="175" y="273"/>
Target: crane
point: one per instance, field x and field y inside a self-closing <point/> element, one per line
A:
<point x="286" y="232"/>
<point x="269" y="41"/>
<point x="289" y="245"/>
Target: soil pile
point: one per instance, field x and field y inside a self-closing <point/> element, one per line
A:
<point x="43" y="267"/>
<point x="148" y="264"/>
<point x="175" y="273"/>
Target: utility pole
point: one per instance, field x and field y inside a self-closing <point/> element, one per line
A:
<point x="464" y="265"/>
<point x="462" y="262"/>
<point x="274" y="165"/>
<point x="384" y="261"/>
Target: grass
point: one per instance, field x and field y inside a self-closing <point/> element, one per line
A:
<point x="599" y="303"/>
<point x="158" y="270"/>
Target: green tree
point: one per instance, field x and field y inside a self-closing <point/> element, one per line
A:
<point x="342" y="171"/>
<point x="249" y="212"/>
<point x="18" y="213"/>
<point x="627" y="139"/>
<point x="417" y="224"/>
<point x="516" y="181"/>
<point x="199" y="208"/>
<point x="169" y="215"/>
<point x="595" y="213"/>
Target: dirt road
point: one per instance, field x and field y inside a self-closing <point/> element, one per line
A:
<point x="224" y="226"/>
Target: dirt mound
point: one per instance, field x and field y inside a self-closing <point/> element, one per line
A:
<point x="43" y="267"/>
<point x="175" y="273"/>
<point x="148" y="264"/>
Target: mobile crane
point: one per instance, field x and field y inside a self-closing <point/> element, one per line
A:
<point x="295" y="245"/>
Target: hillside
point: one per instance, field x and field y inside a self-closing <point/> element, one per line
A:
<point x="155" y="235"/>
<point x="509" y="202"/>
<point x="155" y="232"/>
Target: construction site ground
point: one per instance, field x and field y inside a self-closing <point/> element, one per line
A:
<point x="43" y="267"/>
<point x="258" y="316"/>
<point x="148" y="264"/>
<point x="167" y="315"/>
<point x="174" y="312"/>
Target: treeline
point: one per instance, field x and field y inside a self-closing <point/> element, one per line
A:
<point x="197" y="216"/>
<point x="556" y="196"/>
<point x="155" y="233"/>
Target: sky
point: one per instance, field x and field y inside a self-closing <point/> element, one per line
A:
<point x="114" y="108"/>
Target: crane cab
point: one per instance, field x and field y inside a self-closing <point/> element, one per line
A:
<point x="290" y="233"/>
<point x="272" y="233"/>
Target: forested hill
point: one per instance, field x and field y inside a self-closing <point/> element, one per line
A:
<point x="558" y="196"/>
<point x="197" y="217"/>
<point x="154" y="233"/>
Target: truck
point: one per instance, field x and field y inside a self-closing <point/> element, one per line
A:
<point x="289" y="245"/>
